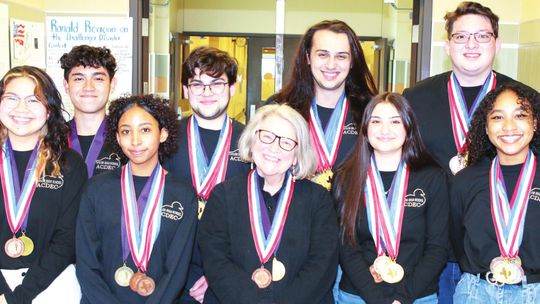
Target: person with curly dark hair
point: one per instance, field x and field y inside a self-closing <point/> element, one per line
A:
<point x="137" y="224"/>
<point x="89" y="80"/>
<point x="390" y="170"/>
<point x="330" y="86"/>
<point x="41" y="181"/>
<point x="495" y="201"/>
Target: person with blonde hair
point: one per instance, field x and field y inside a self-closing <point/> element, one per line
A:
<point x="271" y="234"/>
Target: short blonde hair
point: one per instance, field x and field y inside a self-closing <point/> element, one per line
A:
<point x="305" y="155"/>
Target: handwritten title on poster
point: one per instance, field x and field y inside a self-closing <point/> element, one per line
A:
<point x="115" y="33"/>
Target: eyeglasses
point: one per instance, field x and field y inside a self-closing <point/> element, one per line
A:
<point x="198" y="88"/>
<point x="268" y="137"/>
<point x="480" y="37"/>
<point x="12" y="101"/>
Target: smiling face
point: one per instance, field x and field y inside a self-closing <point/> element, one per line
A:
<point x="386" y="132"/>
<point x="89" y="88"/>
<point x="139" y="137"/>
<point x="472" y="59"/>
<point x="22" y="113"/>
<point x="330" y="60"/>
<point x="510" y="128"/>
<point x="271" y="160"/>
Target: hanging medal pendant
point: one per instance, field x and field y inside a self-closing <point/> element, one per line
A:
<point x="262" y="277"/>
<point x="145" y="286"/>
<point x="14" y="247"/>
<point x="278" y="270"/>
<point x="324" y="179"/>
<point x="201" y="202"/>
<point x="393" y="273"/>
<point x="28" y="244"/>
<point x="122" y="275"/>
<point x="134" y="281"/>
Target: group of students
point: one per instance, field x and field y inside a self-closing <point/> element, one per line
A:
<point x="138" y="207"/>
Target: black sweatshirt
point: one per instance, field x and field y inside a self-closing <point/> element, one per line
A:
<point x="423" y="246"/>
<point x="307" y="249"/>
<point x="51" y="226"/>
<point x="472" y="230"/>
<point x="99" y="246"/>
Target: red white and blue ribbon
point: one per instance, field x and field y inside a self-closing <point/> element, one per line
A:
<point x="267" y="236"/>
<point x="95" y="147"/>
<point x="385" y="213"/>
<point x="328" y="140"/>
<point x="141" y="229"/>
<point x="205" y="175"/>
<point x="509" y="215"/>
<point x="17" y="201"/>
<point x="461" y="118"/>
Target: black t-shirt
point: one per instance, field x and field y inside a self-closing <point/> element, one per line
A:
<point x="21" y="159"/>
<point x="209" y="140"/>
<point x="470" y="93"/>
<point x="324" y="115"/>
<point x="85" y="141"/>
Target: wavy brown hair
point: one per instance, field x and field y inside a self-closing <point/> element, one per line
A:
<point x="471" y="8"/>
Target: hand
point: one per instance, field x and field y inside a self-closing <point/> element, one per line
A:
<point x="396" y="302"/>
<point x="198" y="289"/>
<point x="376" y="276"/>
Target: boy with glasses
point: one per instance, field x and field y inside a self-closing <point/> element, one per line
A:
<point x="207" y="152"/>
<point x="444" y="104"/>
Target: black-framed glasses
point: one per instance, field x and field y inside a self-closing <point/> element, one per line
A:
<point x="480" y="37"/>
<point x="198" y="88"/>
<point x="268" y="137"/>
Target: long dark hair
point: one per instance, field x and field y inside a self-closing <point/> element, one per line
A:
<point x="55" y="140"/>
<point x="351" y="175"/>
<point x="299" y="91"/>
<point x="478" y="144"/>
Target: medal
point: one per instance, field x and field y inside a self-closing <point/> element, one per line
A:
<point x="508" y="220"/>
<point x="385" y="217"/>
<point x="14" y="247"/>
<point x="261" y="277"/>
<point x="134" y="281"/>
<point x="28" y="245"/>
<point x="324" y="179"/>
<point x="461" y="118"/>
<point x="145" y="286"/>
<point x="327" y="141"/>
<point x="456" y="164"/>
<point x="205" y="174"/>
<point x="278" y="270"/>
<point x="95" y="147"/>
<point x="123" y="275"/>
<point x="16" y="200"/>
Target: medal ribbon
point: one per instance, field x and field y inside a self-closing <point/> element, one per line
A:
<point x="204" y="175"/>
<point x="461" y="119"/>
<point x="509" y="216"/>
<point x="266" y="237"/>
<point x="17" y="202"/>
<point x="327" y="141"/>
<point x="385" y="214"/>
<point x="142" y="231"/>
<point x="95" y="147"/>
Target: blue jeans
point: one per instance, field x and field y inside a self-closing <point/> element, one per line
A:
<point x="347" y="298"/>
<point x="447" y="283"/>
<point x="471" y="289"/>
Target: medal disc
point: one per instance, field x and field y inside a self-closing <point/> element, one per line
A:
<point x="135" y="280"/>
<point x="123" y="275"/>
<point x="456" y="164"/>
<point x="201" y="202"/>
<point x="14" y="247"/>
<point x="146" y="286"/>
<point x="507" y="271"/>
<point x="28" y="245"/>
<point x="278" y="270"/>
<point x="262" y="277"/>
<point x="381" y="263"/>
<point x="324" y="179"/>
<point x="393" y="274"/>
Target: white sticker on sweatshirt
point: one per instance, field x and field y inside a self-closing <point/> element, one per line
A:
<point x="51" y="182"/>
<point x="173" y="211"/>
<point x="415" y="200"/>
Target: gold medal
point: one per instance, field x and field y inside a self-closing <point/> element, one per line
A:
<point x="505" y="270"/>
<point x="380" y="264"/>
<point x="393" y="272"/>
<point x="457" y="163"/>
<point x="262" y="277"/>
<point x="324" y="178"/>
<point x="201" y="202"/>
<point x="278" y="270"/>
<point x="123" y="275"/>
<point x="28" y="245"/>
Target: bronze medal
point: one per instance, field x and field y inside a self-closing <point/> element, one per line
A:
<point x="122" y="275"/>
<point x="28" y="245"/>
<point x="324" y="179"/>
<point x="134" y="281"/>
<point x="278" y="270"/>
<point x="201" y="202"/>
<point x="262" y="277"/>
<point x="14" y="247"/>
<point x="145" y="286"/>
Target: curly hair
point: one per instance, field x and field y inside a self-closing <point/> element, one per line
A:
<point x="55" y="135"/>
<point x="88" y="56"/>
<point x="157" y="107"/>
<point x="299" y="91"/>
<point x="478" y="143"/>
<point x="210" y="61"/>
